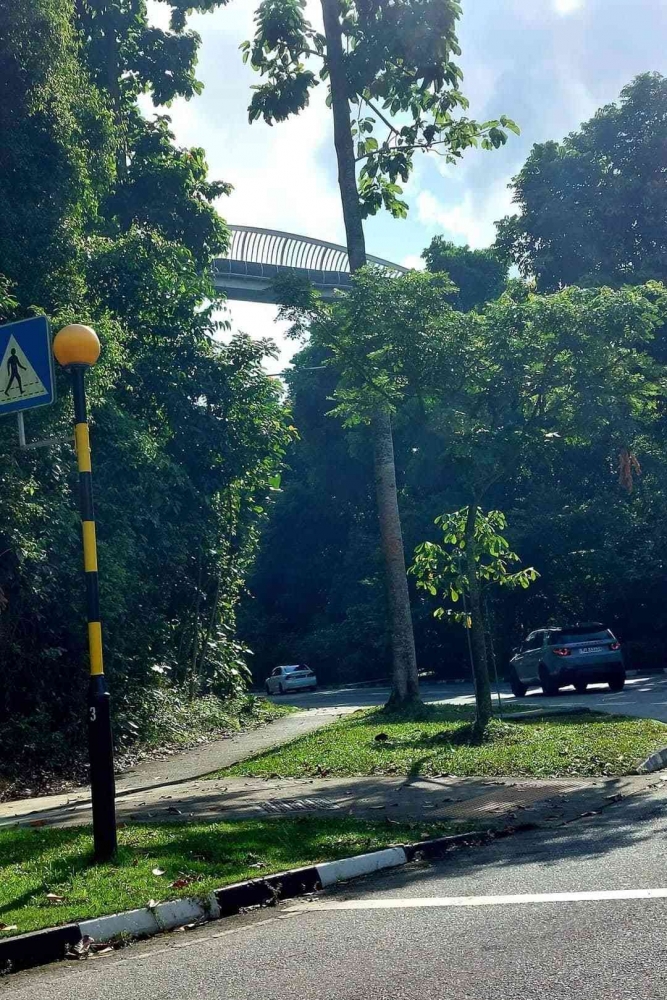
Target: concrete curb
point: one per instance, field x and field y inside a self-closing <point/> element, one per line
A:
<point x="655" y="762"/>
<point x="27" y="951"/>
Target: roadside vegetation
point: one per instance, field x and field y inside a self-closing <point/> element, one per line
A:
<point x="107" y="221"/>
<point x="575" y="463"/>
<point x="524" y="414"/>
<point x="444" y="741"/>
<point x="171" y="724"/>
<point x="47" y="878"/>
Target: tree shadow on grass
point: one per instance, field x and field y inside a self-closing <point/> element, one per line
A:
<point x="210" y="854"/>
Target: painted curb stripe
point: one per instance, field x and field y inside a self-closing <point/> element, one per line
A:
<point x="49" y="945"/>
<point x="655" y="762"/>
<point x="363" y="864"/>
<point x="284" y="885"/>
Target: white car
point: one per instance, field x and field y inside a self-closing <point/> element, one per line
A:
<point x="298" y="677"/>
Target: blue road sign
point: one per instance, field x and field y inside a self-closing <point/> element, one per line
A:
<point x="26" y="365"/>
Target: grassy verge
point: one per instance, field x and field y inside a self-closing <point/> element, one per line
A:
<point x="440" y="742"/>
<point x="190" y="859"/>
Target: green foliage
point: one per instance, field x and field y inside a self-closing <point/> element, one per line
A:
<point x="402" y="82"/>
<point x="59" y="154"/>
<point x="592" y="208"/>
<point x="385" y="339"/>
<point x="479" y="275"/>
<point x="441" y="570"/>
<point x="527" y="404"/>
<point x="168" y="188"/>
<point x="188" y="433"/>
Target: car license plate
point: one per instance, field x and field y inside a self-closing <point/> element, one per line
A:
<point x="590" y="649"/>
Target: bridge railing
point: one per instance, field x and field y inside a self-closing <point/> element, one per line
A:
<point x="271" y="248"/>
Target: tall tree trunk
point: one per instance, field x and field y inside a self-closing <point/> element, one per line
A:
<point x="405" y="678"/>
<point x="478" y="641"/>
<point x="340" y="105"/>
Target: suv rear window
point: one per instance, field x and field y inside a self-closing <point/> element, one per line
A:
<point x="578" y="635"/>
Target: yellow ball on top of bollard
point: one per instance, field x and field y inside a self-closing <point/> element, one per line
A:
<point x="76" y="344"/>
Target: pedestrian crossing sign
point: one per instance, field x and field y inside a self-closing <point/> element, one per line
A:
<point x="26" y="365"/>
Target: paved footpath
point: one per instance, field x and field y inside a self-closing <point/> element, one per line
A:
<point x="476" y="802"/>
<point x="154" y="775"/>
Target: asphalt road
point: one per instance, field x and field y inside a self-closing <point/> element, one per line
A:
<point x="644" y="696"/>
<point x="409" y="935"/>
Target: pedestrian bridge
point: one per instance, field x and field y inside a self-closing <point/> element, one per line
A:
<point x="258" y="256"/>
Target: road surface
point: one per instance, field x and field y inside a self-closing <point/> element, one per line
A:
<point x="522" y="929"/>
<point x="644" y="696"/>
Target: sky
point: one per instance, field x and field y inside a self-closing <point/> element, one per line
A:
<point x="548" y="64"/>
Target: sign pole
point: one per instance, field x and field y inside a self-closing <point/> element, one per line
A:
<point x="77" y="348"/>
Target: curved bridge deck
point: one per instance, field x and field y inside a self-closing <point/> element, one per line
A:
<point x="258" y="256"/>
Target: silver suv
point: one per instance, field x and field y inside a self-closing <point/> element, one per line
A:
<point x="579" y="655"/>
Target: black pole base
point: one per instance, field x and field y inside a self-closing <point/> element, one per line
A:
<point x="102" y="783"/>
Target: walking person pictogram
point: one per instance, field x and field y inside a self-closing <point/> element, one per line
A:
<point x="13" y="365"/>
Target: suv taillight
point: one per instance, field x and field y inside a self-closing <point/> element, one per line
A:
<point x="614" y="645"/>
<point x="562" y="651"/>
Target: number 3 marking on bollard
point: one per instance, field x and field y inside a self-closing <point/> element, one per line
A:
<point x="93" y="714"/>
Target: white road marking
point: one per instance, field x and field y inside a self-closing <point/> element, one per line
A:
<point x="452" y="901"/>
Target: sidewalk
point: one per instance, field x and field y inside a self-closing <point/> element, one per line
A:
<point x="155" y="775"/>
<point x="489" y="803"/>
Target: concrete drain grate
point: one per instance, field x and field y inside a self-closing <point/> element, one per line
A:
<point x="510" y="797"/>
<point x="298" y="805"/>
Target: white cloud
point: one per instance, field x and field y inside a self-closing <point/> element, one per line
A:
<point x="471" y="219"/>
<point x="413" y="261"/>
<point x="567" y="6"/>
<point x="283" y="176"/>
<point x="259" y="321"/>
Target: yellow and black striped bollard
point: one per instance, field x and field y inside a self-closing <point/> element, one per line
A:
<point x="77" y="348"/>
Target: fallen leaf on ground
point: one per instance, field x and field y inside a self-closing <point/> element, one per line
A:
<point x="53" y="897"/>
<point x="8" y="927"/>
<point x="37" y="822"/>
<point x="184" y="880"/>
<point x="151" y="904"/>
<point x="158" y="871"/>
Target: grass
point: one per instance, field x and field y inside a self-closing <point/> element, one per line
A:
<point x="440" y="742"/>
<point x="36" y="863"/>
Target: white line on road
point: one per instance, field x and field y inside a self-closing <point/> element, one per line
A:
<point x="444" y="901"/>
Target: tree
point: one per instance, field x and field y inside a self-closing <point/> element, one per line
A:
<point x="60" y="153"/>
<point x="479" y="275"/>
<point x="389" y="67"/>
<point x="473" y="555"/>
<point x="593" y="207"/>
<point x="188" y="433"/>
<point x="497" y="388"/>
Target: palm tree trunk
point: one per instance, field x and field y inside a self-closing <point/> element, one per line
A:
<point x="405" y="677"/>
<point x="477" y="639"/>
